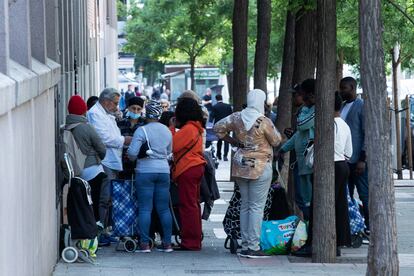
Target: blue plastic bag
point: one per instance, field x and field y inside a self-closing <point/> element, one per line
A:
<point x="276" y="235"/>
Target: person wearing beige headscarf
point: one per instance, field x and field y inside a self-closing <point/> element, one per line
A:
<point x="252" y="165"/>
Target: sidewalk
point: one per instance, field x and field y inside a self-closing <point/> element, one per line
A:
<point x="215" y="259"/>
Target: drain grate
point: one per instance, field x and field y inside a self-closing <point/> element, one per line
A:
<point x="215" y="271"/>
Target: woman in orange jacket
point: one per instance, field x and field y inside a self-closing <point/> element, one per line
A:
<point x="188" y="170"/>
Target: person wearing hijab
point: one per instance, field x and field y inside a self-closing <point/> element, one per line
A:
<point x="252" y="165"/>
<point x="153" y="176"/>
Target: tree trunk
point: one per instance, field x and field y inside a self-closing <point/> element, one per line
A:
<point x="230" y="86"/>
<point x="240" y="18"/>
<point x="262" y="44"/>
<point x="192" y="69"/>
<point x="396" y="99"/>
<point x="284" y="104"/>
<point x="324" y="231"/>
<point x="339" y="67"/>
<point x="304" y="67"/>
<point x="306" y="48"/>
<point x="382" y="252"/>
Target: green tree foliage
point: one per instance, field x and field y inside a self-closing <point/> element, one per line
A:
<point x="181" y="30"/>
<point x="397" y="29"/>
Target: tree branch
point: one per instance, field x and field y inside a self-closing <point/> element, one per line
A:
<point x="202" y="47"/>
<point x="401" y="10"/>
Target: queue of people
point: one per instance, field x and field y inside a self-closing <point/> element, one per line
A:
<point x="158" y="148"/>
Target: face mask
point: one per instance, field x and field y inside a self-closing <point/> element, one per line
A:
<point x="133" y="115"/>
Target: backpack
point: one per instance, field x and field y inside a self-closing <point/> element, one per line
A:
<point x="77" y="157"/>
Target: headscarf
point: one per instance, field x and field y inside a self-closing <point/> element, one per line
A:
<point x="255" y="108"/>
<point x="153" y="110"/>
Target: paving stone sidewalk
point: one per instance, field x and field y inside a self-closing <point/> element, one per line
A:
<point x="214" y="259"/>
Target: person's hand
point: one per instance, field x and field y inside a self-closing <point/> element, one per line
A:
<point x="127" y="140"/>
<point x="360" y="168"/>
<point x="288" y="132"/>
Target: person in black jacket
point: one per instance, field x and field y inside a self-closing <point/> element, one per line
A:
<point x="219" y="111"/>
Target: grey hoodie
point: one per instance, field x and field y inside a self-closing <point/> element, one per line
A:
<point x="87" y="139"/>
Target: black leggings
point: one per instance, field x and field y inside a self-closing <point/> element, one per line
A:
<point x="95" y="184"/>
<point x="343" y="232"/>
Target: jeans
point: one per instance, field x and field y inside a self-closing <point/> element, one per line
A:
<point x="304" y="190"/>
<point x="253" y="199"/>
<point x="154" y="189"/>
<point x="105" y="196"/>
<point x="361" y="184"/>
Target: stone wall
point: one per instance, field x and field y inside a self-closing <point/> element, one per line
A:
<point x="49" y="51"/>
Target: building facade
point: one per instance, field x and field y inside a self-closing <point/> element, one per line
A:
<point x="49" y="50"/>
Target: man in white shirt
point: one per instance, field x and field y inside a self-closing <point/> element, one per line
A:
<point x="102" y="117"/>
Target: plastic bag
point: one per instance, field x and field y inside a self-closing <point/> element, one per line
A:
<point x="90" y="245"/>
<point x="300" y="237"/>
<point x="277" y="235"/>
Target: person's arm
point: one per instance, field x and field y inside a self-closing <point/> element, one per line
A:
<point x="109" y="139"/>
<point x="271" y="133"/>
<point x="289" y="144"/>
<point x="305" y="120"/>
<point x="348" y="144"/>
<point x="224" y="127"/>
<point x="97" y="144"/>
<point x="137" y="140"/>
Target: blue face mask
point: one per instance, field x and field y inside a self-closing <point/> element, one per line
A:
<point x="133" y="115"/>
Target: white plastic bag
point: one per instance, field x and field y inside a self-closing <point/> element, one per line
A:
<point x="300" y="237"/>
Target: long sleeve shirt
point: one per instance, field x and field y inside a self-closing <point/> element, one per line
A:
<point x="160" y="142"/>
<point x="107" y="129"/>
<point x="249" y="162"/>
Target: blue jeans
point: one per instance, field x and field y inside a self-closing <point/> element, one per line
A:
<point x="154" y="189"/>
<point x="361" y="184"/>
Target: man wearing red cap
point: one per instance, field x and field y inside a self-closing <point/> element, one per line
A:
<point x="90" y="144"/>
<point x="102" y="117"/>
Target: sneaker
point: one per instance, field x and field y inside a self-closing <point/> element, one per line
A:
<point x="165" y="248"/>
<point x="143" y="248"/>
<point x="113" y="239"/>
<point x="257" y="254"/>
<point x="225" y="158"/>
<point x="100" y="226"/>
<point x="243" y="253"/>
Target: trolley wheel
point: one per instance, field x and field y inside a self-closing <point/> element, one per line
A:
<point x="177" y="239"/>
<point x="70" y="254"/>
<point x="83" y="253"/>
<point x="356" y="241"/>
<point x="151" y="243"/>
<point x="130" y="245"/>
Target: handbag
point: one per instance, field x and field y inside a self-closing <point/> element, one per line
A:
<point x="309" y="154"/>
